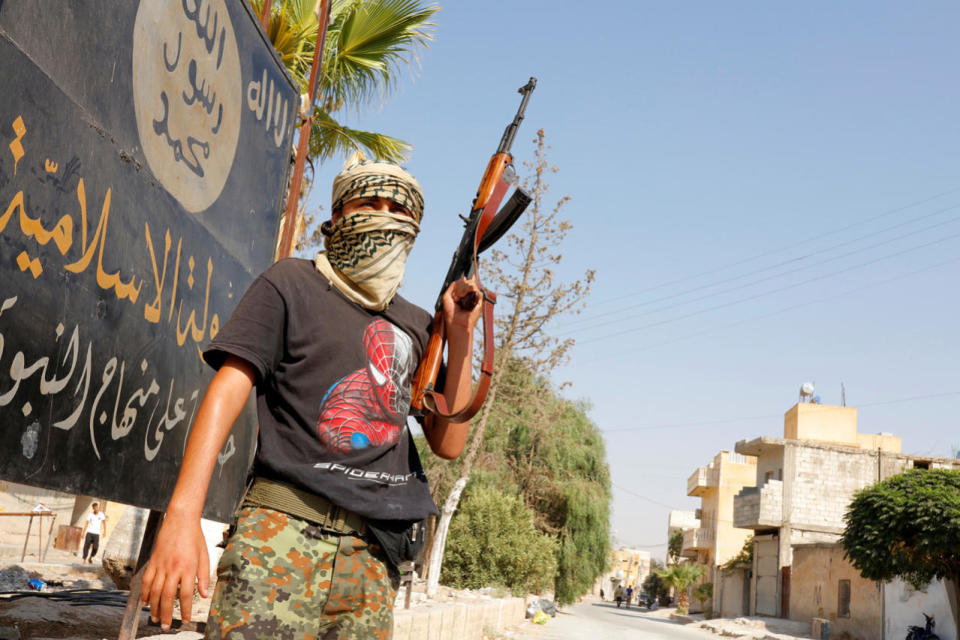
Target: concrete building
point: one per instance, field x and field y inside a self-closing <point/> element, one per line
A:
<point x="825" y="585"/>
<point x="715" y="540"/>
<point x="681" y="521"/>
<point x="804" y="482"/>
<point x="628" y="567"/>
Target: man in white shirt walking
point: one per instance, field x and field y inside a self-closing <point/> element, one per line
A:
<point x="91" y="533"/>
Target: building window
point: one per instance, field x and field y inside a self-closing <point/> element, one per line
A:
<point x="843" y="599"/>
<point x="921" y="464"/>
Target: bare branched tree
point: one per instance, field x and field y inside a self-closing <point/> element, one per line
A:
<point x="524" y="276"/>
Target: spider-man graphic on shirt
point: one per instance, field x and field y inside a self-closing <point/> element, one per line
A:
<point x="368" y="408"/>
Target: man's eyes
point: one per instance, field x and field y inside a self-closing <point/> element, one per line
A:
<point x="375" y="204"/>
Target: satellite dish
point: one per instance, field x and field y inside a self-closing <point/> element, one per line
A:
<point x="806" y="391"/>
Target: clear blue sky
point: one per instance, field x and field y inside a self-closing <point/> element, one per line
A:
<point x="769" y="193"/>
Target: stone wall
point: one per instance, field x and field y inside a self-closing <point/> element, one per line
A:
<point x="18" y="498"/>
<point x="814" y="593"/>
<point x="759" y="506"/>
<point x="824" y="483"/>
<point x="458" y="620"/>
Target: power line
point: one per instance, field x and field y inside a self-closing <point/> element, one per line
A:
<point x="772" y="291"/>
<point x="784" y="248"/>
<point x="910" y="399"/>
<point x="753" y="282"/>
<point x="929" y="396"/>
<point x="622" y="352"/>
<point x="680" y="425"/>
<point x="642" y="497"/>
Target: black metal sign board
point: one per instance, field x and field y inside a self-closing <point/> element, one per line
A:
<point x="144" y="149"/>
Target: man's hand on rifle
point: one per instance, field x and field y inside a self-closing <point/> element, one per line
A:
<point x="446" y="438"/>
<point x="459" y="322"/>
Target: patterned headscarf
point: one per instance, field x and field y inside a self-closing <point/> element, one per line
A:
<point x="366" y="251"/>
<point x="362" y="178"/>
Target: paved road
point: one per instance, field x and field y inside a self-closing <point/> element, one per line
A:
<point x="604" y="621"/>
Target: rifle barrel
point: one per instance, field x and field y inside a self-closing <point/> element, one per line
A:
<point x="507" y="140"/>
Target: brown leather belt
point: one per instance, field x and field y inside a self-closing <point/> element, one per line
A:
<point x="302" y="504"/>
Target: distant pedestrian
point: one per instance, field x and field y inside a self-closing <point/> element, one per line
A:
<point x="618" y="595"/>
<point x="601" y="594"/>
<point x="91" y="533"/>
<point x="629" y="595"/>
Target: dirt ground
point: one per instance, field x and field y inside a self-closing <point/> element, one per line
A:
<point x="78" y="601"/>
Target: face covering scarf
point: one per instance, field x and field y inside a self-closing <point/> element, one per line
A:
<point x="366" y="253"/>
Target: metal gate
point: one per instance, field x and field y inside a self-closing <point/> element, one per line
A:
<point x="766" y="598"/>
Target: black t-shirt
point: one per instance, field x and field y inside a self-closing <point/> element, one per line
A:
<point x="333" y="390"/>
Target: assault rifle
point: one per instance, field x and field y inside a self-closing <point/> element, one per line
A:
<point x="484" y="226"/>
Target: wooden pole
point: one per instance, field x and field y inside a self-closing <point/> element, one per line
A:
<point x="26" y="539"/>
<point x="131" y="615"/>
<point x="53" y="521"/>
<point x="289" y="230"/>
<point x="265" y="15"/>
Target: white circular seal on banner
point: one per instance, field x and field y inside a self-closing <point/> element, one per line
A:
<point x="187" y="95"/>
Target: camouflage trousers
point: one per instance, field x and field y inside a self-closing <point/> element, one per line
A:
<point x="282" y="577"/>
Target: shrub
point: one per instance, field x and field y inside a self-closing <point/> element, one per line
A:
<point x="493" y="541"/>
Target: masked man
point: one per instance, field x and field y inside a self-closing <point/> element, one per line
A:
<point x="330" y="349"/>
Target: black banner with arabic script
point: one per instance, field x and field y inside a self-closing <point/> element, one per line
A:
<point x="144" y="150"/>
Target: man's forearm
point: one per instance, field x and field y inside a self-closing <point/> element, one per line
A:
<point x="446" y="438"/>
<point x="221" y="406"/>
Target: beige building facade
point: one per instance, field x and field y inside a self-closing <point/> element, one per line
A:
<point x="715" y="540"/>
<point x="628" y="567"/>
<point x="804" y="482"/>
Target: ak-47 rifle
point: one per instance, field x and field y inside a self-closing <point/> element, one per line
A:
<point x="483" y="229"/>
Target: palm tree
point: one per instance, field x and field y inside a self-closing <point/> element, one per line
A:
<point x="680" y="576"/>
<point x="368" y="42"/>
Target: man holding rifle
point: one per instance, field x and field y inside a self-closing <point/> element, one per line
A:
<point x="330" y="349"/>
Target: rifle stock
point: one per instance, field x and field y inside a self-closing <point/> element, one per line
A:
<point x="484" y="226"/>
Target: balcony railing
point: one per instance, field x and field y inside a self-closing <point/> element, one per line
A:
<point x="697" y="539"/>
<point x="759" y="507"/>
<point x="701" y="481"/>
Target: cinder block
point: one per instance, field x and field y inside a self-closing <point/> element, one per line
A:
<point x="474" y="625"/>
<point x="402" y="621"/>
<point x="491" y="611"/>
<point x="420" y="625"/>
<point x="435" y="625"/>
<point x="455" y="621"/>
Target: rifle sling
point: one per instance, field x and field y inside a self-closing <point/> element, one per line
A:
<point x="436" y="403"/>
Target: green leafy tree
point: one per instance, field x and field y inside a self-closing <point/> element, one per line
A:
<point x="675" y="546"/>
<point x="493" y="541"/>
<point x="680" y="577"/>
<point x="578" y="498"/>
<point x="703" y="592"/>
<point x="653" y="584"/>
<point x="907" y="526"/>
<point x="368" y="44"/>
<point x="556" y="463"/>
<point x="743" y="560"/>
